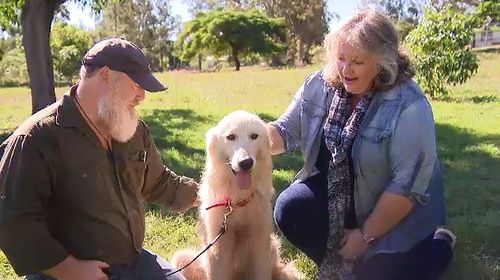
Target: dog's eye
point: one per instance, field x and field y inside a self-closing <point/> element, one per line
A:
<point x="254" y="136"/>
<point x="231" y="137"/>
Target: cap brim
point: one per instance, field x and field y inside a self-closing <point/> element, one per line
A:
<point x="147" y="81"/>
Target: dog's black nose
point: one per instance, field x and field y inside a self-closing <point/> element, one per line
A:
<point x="246" y="164"/>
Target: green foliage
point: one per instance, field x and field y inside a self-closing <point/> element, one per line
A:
<point x="487" y="10"/>
<point x="149" y="24"/>
<point x="439" y="47"/>
<point x="403" y="13"/>
<point x="232" y="33"/>
<point x="404" y="27"/>
<point x="10" y="13"/>
<point x="13" y="63"/>
<point x="307" y="22"/>
<point x="10" y="10"/>
<point x="69" y="44"/>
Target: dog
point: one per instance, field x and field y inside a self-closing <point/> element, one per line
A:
<point x="237" y="182"/>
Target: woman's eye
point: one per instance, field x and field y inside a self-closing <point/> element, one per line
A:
<point x="358" y="62"/>
<point x="254" y="136"/>
<point x="231" y="137"/>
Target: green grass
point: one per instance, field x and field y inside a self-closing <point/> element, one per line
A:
<point x="468" y="131"/>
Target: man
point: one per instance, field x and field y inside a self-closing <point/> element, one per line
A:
<point x="74" y="177"/>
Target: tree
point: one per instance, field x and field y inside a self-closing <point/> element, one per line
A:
<point x="204" y="6"/>
<point x="405" y="14"/>
<point x="69" y="45"/>
<point x="232" y="32"/>
<point x="487" y="12"/>
<point x="35" y="18"/>
<point x="146" y="23"/>
<point x="438" y="45"/>
<point x="306" y="20"/>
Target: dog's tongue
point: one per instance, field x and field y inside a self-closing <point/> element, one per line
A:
<point x="243" y="179"/>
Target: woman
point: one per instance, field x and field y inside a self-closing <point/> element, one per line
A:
<point x="369" y="198"/>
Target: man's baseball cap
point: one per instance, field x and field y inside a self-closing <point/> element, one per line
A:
<point x="121" y="55"/>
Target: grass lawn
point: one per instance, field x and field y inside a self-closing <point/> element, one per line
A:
<point x="468" y="131"/>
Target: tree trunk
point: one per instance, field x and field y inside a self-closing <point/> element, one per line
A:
<point x="300" y="51"/>
<point x="236" y="60"/>
<point x="306" y="58"/>
<point x="199" y="62"/>
<point x="36" y="20"/>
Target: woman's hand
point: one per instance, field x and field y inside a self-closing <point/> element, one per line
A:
<point x="277" y="143"/>
<point x="353" y="244"/>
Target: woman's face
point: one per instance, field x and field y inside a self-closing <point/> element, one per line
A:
<point x="356" y="69"/>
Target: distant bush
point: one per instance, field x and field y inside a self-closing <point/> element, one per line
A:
<point x="13" y="67"/>
<point x="69" y="44"/>
<point x="439" y="46"/>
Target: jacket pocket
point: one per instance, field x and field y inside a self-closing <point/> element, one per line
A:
<point x="383" y="124"/>
<point x="137" y="163"/>
<point x="375" y="134"/>
<point x="312" y="117"/>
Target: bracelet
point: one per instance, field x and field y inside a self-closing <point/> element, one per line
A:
<point x="368" y="239"/>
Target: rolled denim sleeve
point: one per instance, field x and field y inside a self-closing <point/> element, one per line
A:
<point x="413" y="151"/>
<point x="288" y="124"/>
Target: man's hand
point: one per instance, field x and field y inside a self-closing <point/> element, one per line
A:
<point x="75" y="269"/>
<point x="195" y="186"/>
<point x="353" y="244"/>
<point x="197" y="202"/>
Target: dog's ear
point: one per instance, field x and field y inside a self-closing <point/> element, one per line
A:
<point x="211" y="141"/>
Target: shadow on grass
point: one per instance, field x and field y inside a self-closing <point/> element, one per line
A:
<point x="171" y="130"/>
<point x="4" y="135"/>
<point x="469" y="99"/>
<point x="471" y="163"/>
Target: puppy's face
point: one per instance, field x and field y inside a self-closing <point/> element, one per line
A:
<point x="240" y="142"/>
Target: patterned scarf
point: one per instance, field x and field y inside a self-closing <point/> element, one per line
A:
<point x="340" y="129"/>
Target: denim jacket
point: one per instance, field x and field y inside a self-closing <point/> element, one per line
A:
<point x="394" y="151"/>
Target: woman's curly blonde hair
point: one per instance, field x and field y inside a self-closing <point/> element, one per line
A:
<point x="372" y="32"/>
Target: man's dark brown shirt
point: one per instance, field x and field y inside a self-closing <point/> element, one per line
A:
<point x="62" y="192"/>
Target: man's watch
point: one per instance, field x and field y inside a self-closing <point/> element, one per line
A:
<point x="367" y="238"/>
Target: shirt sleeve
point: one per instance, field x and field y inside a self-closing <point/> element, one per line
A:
<point x="413" y="151"/>
<point x="162" y="185"/>
<point x="25" y="188"/>
<point x="288" y="124"/>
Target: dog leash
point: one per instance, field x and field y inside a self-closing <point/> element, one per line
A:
<point x="229" y="205"/>
<point x="223" y="229"/>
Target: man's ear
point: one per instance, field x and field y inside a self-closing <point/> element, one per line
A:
<point x="104" y="73"/>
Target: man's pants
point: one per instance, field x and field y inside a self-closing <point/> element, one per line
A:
<point x="147" y="267"/>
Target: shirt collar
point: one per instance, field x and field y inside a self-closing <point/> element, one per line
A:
<point x="68" y="114"/>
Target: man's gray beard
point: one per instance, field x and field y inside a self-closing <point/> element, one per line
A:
<point x="120" y="120"/>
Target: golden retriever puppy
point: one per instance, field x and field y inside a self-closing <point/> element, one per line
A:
<point x="238" y="171"/>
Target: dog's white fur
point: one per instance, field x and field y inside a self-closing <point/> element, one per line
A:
<point x="249" y="249"/>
